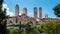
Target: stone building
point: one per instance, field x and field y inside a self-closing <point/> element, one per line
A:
<point x="35" y="13"/>
<point x="46" y="15"/>
<point x="25" y="11"/>
<point x="17" y="10"/>
<point x="12" y="22"/>
<point x="24" y="18"/>
<point x="40" y="12"/>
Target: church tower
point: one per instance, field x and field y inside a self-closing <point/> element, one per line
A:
<point x="35" y="13"/>
<point x="17" y="10"/>
<point x="40" y="13"/>
<point x="25" y="11"/>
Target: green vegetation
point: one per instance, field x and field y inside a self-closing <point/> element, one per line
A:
<point x="52" y="27"/>
<point x="30" y="28"/>
<point x="3" y="17"/>
<point x="57" y="10"/>
<point x="13" y="31"/>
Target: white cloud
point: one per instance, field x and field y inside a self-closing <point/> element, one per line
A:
<point x="7" y="10"/>
<point x="19" y="13"/>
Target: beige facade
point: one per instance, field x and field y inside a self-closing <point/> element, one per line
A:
<point x="17" y="10"/>
<point x="24" y="18"/>
<point x="35" y="13"/>
<point x="25" y="11"/>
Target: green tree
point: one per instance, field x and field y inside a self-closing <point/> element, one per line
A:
<point x="57" y="10"/>
<point x="2" y="19"/>
<point x="2" y="13"/>
<point x="8" y="31"/>
<point x="1" y="1"/>
<point x="30" y="28"/>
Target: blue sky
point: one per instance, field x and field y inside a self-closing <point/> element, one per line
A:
<point x="47" y="6"/>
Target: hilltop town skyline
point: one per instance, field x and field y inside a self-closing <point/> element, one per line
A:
<point x="46" y="8"/>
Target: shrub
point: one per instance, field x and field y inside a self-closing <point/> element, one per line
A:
<point x="13" y="31"/>
<point x="52" y="27"/>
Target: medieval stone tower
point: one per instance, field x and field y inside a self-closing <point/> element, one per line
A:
<point x="17" y="10"/>
<point x="35" y="13"/>
<point x="25" y="11"/>
<point x="40" y="13"/>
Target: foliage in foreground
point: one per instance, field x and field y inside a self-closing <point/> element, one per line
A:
<point x="28" y="28"/>
<point x="31" y="28"/>
<point x="2" y="19"/>
<point x="52" y="27"/>
<point x="57" y="10"/>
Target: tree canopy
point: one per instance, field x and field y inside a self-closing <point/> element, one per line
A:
<point x="57" y="10"/>
<point x="2" y="19"/>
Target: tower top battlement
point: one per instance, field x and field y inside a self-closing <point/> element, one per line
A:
<point x="17" y="5"/>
